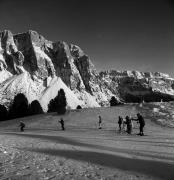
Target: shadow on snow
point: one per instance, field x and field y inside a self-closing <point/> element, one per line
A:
<point x="158" y="169"/>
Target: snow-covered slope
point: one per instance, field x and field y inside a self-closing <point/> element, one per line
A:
<point x="51" y="92"/>
<point x="39" y="68"/>
<point x="20" y="84"/>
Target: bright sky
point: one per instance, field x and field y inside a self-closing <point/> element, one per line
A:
<point x="120" y="34"/>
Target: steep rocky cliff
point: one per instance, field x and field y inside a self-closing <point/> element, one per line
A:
<point x="39" y="68"/>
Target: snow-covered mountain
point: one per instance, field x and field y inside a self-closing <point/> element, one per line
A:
<point x="135" y="86"/>
<point x="32" y="65"/>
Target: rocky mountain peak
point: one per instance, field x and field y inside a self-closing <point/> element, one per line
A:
<point x="7" y="41"/>
<point x="37" y="67"/>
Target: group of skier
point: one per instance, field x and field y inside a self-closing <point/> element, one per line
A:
<point x="129" y="124"/>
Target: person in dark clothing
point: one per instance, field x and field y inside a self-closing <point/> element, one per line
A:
<point x="129" y="124"/>
<point x="100" y="122"/>
<point x="22" y="126"/>
<point x="120" y="122"/>
<point x="141" y="121"/>
<point x="62" y="124"/>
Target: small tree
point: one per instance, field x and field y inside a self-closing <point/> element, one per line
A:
<point x="19" y="107"/>
<point x="58" y="104"/>
<point x="35" y="108"/>
<point x="113" y="101"/>
<point x="61" y="100"/>
<point x="78" y="107"/>
<point x="3" y="113"/>
<point x="53" y="104"/>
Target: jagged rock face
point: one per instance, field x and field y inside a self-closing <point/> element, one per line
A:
<point x="90" y="77"/>
<point x="34" y="47"/>
<point x="38" y="68"/>
<point x="64" y="66"/>
<point x="11" y="58"/>
<point x="86" y="71"/>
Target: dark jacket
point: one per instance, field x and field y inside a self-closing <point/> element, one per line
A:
<point x="141" y="120"/>
<point x="120" y="120"/>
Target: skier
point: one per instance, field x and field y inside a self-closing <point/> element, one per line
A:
<point x="22" y="126"/>
<point x="124" y="125"/>
<point x="129" y="125"/>
<point x="120" y="122"/>
<point x="141" y="121"/>
<point x="100" y="122"/>
<point x="62" y="123"/>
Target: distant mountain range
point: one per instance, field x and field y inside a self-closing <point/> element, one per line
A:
<point x="32" y="65"/>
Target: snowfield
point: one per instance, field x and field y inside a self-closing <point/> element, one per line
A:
<point x="83" y="151"/>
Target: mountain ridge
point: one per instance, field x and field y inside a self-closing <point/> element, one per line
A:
<point x="41" y="61"/>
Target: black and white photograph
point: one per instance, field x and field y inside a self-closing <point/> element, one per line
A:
<point x="86" y="90"/>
